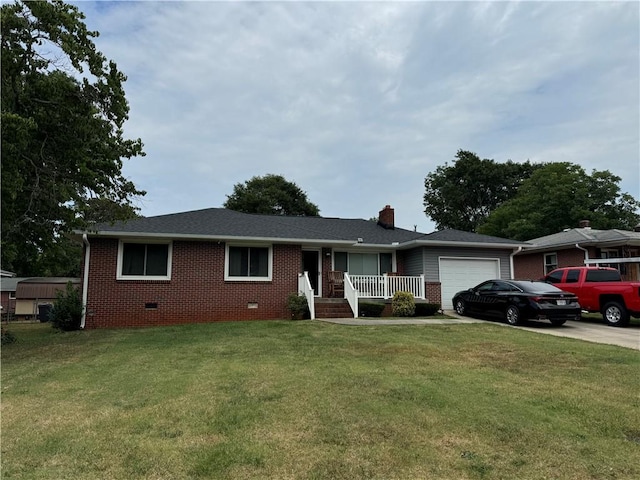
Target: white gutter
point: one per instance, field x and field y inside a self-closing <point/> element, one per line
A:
<point x="85" y="279"/>
<point x="515" y="252"/>
<point x="302" y="241"/>
<point x="586" y="252"/>
<point x="218" y="238"/>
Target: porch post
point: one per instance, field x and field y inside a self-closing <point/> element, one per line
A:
<point x="422" y="287"/>
<point x="386" y="285"/>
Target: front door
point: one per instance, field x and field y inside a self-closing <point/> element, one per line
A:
<point x="311" y="264"/>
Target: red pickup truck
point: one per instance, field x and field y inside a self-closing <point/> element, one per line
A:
<point x="600" y="289"/>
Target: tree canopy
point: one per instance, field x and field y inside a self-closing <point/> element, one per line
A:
<point x="558" y="196"/>
<point x="272" y="195"/>
<point x="63" y="110"/>
<point x="461" y="196"/>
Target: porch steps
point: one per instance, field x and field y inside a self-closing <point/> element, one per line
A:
<point x="332" y="308"/>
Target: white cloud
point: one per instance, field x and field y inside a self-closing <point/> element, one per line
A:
<point x="358" y="102"/>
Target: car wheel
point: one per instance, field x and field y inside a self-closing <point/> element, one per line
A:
<point x="557" y="322"/>
<point x="512" y="315"/>
<point x="615" y="314"/>
<point x="460" y="307"/>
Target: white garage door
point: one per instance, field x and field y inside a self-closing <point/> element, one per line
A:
<point x="461" y="273"/>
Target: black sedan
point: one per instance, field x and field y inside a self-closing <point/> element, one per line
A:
<point x="516" y="301"/>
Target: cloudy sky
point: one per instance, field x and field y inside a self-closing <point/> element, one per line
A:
<point x="357" y="102"/>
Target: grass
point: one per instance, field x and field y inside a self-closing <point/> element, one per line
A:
<point x="310" y="400"/>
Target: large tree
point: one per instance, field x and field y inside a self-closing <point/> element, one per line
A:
<point x="63" y="110"/>
<point x="462" y="195"/>
<point x="558" y="196"/>
<point x="271" y="194"/>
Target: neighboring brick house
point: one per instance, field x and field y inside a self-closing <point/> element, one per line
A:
<point x="217" y="264"/>
<point x="580" y="246"/>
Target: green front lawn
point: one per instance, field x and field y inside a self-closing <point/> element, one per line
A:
<point x="310" y="400"/>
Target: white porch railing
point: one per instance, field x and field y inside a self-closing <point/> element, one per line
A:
<point x="385" y="286"/>
<point x="304" y="288"/>
<point x="351" y="294"/>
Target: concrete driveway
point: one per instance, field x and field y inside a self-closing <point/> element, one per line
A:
<point x="587" y="330"/>
<point x="628" y="337"/>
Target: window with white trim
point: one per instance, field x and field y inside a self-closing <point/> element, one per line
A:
<point x="248" y="262"/>
<point x="363" y="263"/>
<point x="144" y="261"/>
<point x="550" y="262"/>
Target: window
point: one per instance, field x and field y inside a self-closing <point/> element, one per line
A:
<point x="573" y="276"/>
<point x="485" y="287"/>
<point x="603" y="276"/>
<point x="386" y="263"/>
<point x="363" y="263"/>
<point x="146" y="261"/>
<point x="248" y="263"/>
<point x="550" y="262"/>
<point x="504" y="287"/>
<point x="609" y="254"/>
<point x="555" y="277"/>
<point x="340" y="261"/>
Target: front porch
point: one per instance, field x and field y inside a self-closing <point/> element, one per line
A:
<point x="356" y="287"/>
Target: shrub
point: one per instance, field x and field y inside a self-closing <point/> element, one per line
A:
<point x="66" y="314"/>
<point x="7" y="336"/>
<point x="427" y="309"/>
<point x="371" y="309"/>
<point x="297" y="305"/>
<point x="403" y="304"/>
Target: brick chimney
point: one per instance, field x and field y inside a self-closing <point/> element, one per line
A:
<point x="585" y="224"/>
<point x="386" y="217"/>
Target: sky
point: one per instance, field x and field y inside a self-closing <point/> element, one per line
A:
<point x="357" y="102"/>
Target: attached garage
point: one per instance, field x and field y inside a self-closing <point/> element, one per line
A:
<point x="460" y="273"/>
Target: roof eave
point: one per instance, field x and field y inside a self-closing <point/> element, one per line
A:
<point x="436" y="243"/>
<point x="219" y="238"/>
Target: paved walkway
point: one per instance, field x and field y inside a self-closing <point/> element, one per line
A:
<point x="591" y="332"/>
<point x="403" y="321"/>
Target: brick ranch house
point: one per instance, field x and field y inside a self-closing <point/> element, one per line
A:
<point x="578" y="247"/>
<point x="217" y="264"/>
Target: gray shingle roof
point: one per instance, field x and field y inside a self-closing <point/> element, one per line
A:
<point x="586" y="236"/>
<point x="451" y="235"/>
<point x="225" y="224"/>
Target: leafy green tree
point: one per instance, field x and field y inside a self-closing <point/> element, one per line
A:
<point x="558" y="196"/>
<point x="63" y="110"/>
<point x="462" y="195"/>
<point x="272" y="195"/>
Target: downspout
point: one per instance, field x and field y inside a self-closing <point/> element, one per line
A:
<point x="515" y="252"/>
<point x="85" y="279"/>
<point x="586" y="253"/>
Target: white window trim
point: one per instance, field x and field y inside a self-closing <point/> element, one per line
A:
<point x="545" y="264"/>
<point x="229" y="278"/>
<point x="119" y="275"/>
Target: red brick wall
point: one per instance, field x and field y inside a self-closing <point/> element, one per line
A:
<point x="197" y="291"/>
<point x="531" y="266"/>
<point x="434" y="292"/>
<point x="8" y="304"/>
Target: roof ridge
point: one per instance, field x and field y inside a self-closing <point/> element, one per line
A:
<point x="580" y="231"/>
